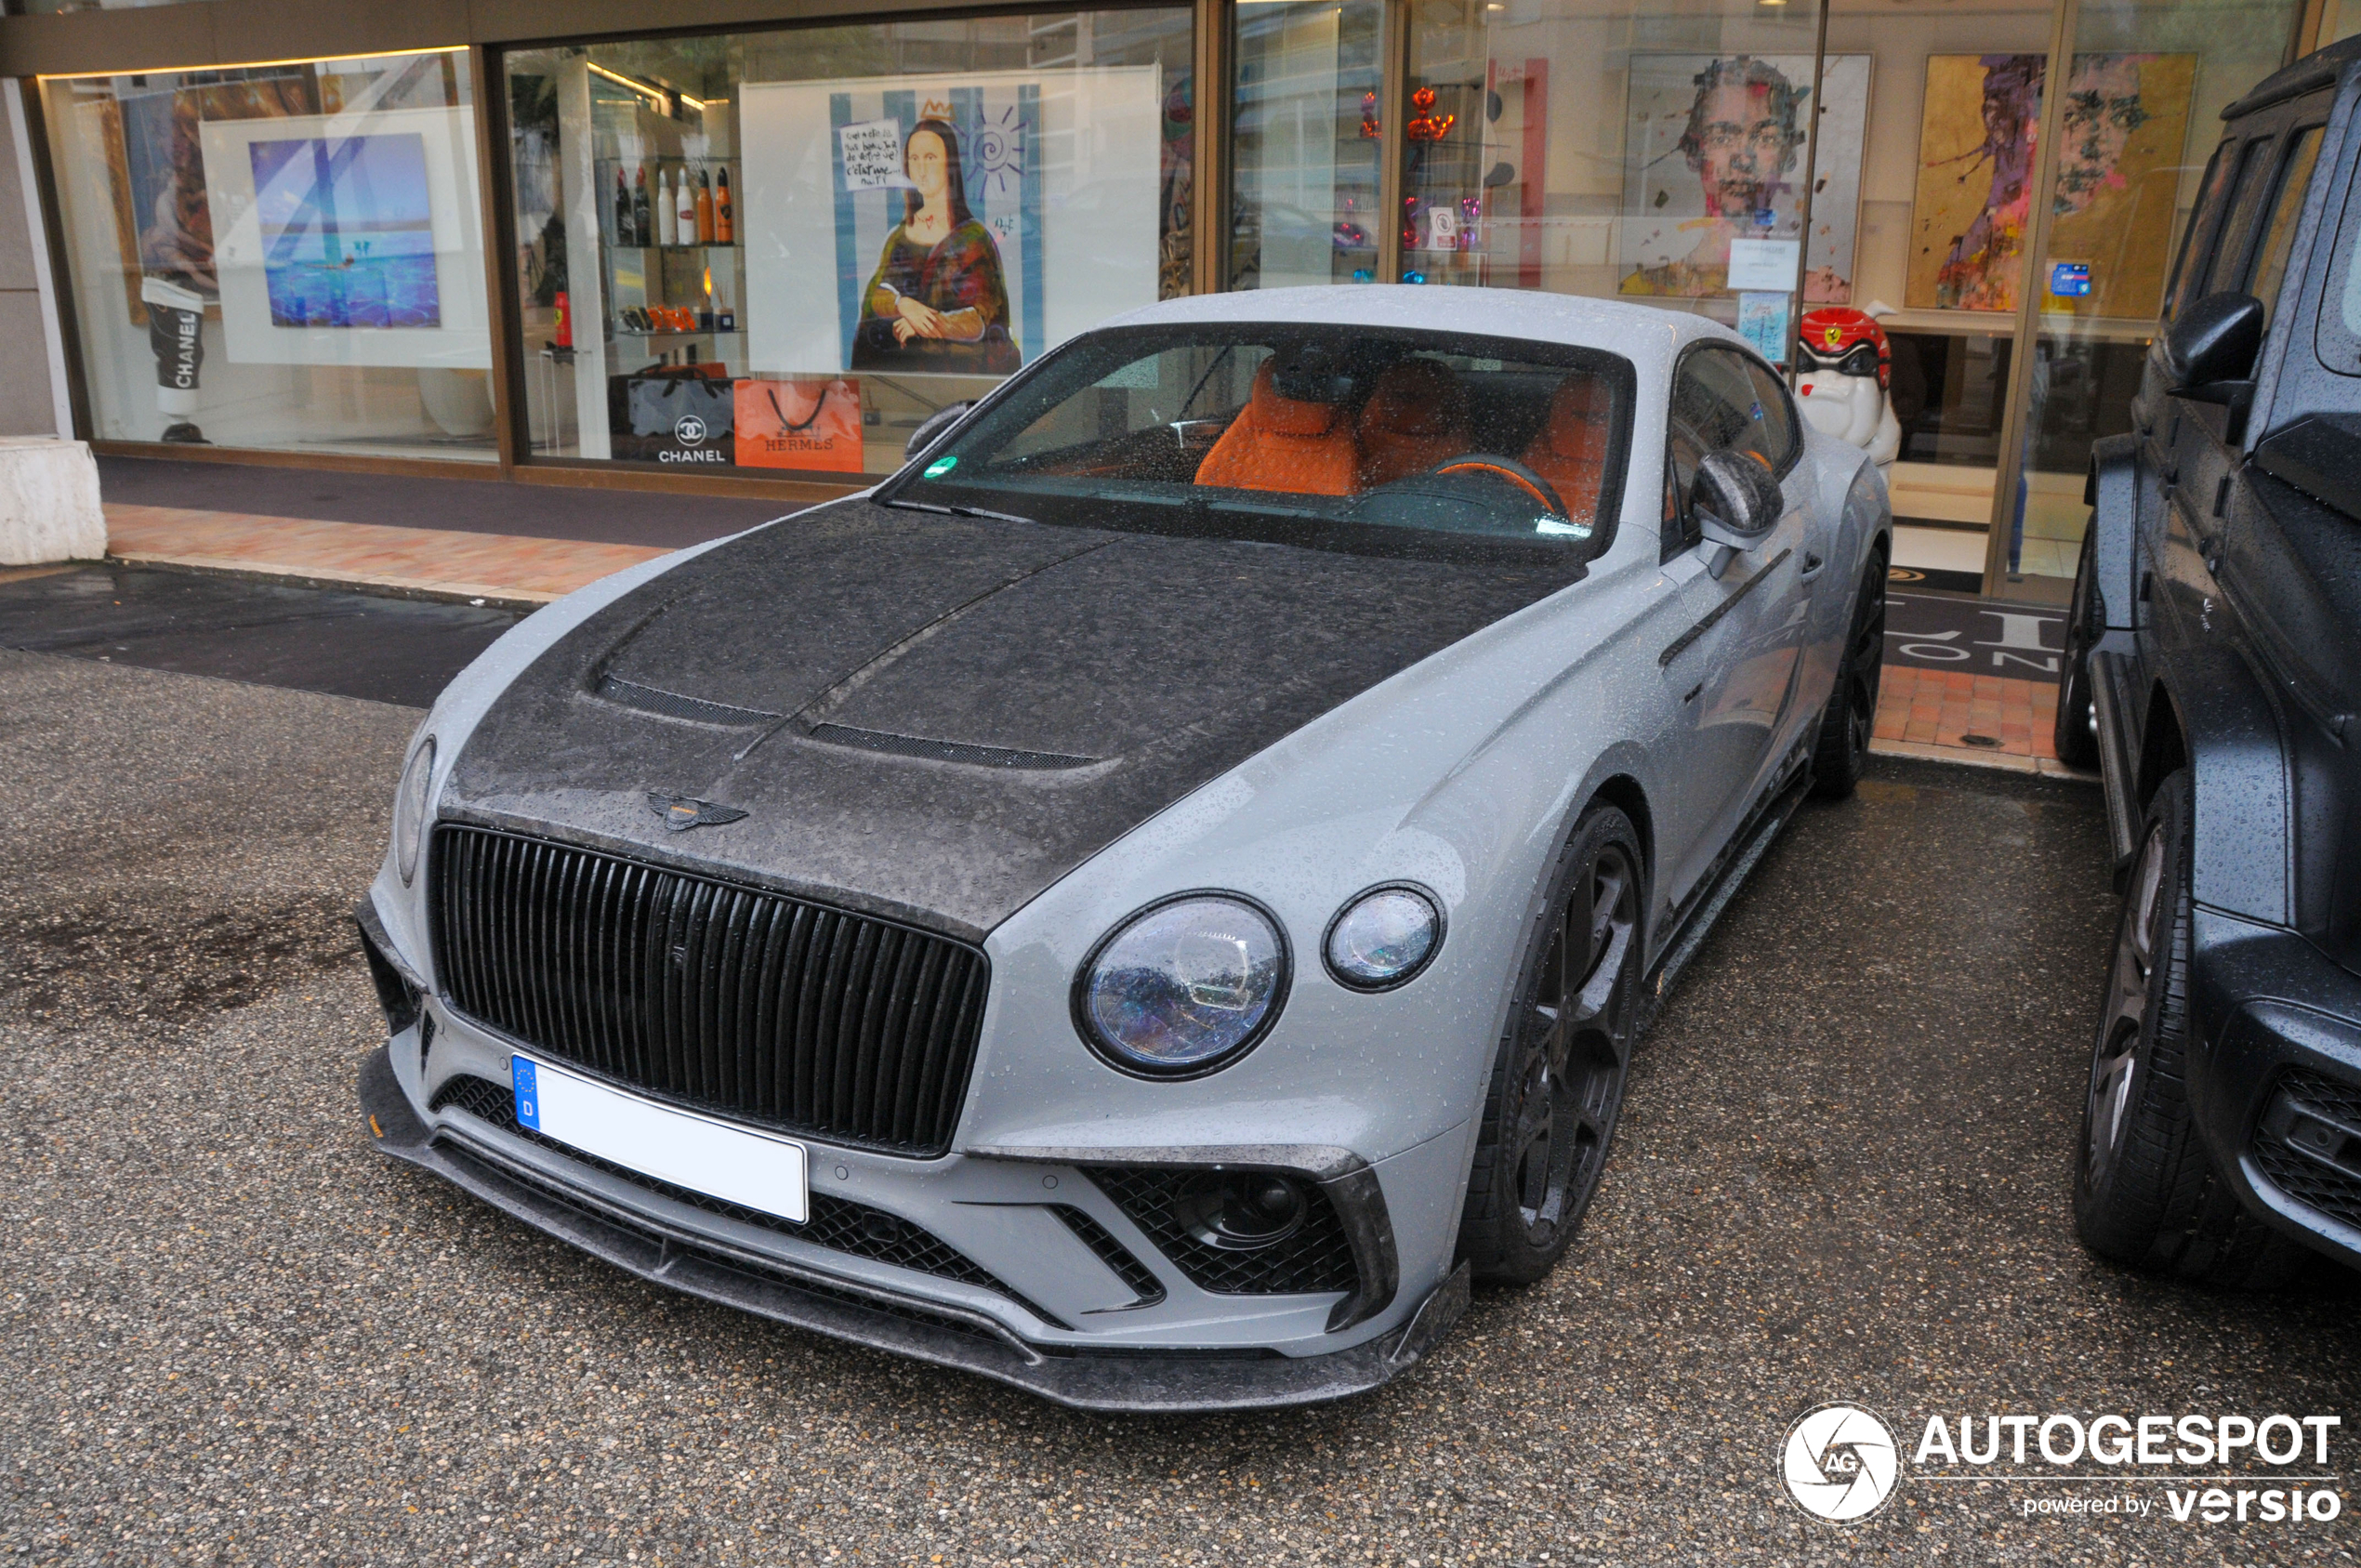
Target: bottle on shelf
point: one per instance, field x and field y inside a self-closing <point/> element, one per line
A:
<point x="667" y="210"/>
<point x="684" y="218"/>
<point x="625" y="232"/>
<point x="705" y="209"/>
<point x="642" y="223"/>
<point x="722" y="218"/>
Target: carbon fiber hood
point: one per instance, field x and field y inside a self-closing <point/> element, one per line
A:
<point x="932" y="718"/>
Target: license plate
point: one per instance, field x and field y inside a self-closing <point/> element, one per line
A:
<point x="687" y="1150"/>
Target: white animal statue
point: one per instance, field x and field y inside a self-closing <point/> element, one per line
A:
<point x="1847" y="366"/>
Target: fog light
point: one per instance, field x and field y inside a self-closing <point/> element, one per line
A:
<point x="1240" y="1211"/>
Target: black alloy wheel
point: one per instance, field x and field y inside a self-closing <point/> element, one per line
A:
<point x="1557" y="1085"/>
<point x="2146" y="1193"/>
<point x="1841" y="750"/>
<point x="2075" y="732"/>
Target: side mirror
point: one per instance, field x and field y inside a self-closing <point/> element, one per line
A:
<point x="1736" y="498"/>
<point x="2213" y="346"/>
<point x="934" y="425"/>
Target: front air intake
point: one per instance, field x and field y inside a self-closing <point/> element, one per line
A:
<point x="753" y="1006"/>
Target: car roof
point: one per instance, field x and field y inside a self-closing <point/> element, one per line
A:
<point x="2321" y="69"/>
<point x="1649" y="335"/>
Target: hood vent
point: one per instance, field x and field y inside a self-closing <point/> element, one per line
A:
<point x="945" y="751"/>
<point x="672" y="705"/>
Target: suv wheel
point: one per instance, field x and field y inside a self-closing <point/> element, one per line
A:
<point x="1557" y="1084"/>
<point x="2145" y="1192"/>
<point x="2075" y="736"/>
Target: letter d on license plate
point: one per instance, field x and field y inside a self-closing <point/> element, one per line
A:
<point x="687" y="1150"/>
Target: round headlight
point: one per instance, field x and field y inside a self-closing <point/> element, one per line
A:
<point x="410" y="807"/>
<point x="1383" y="938"/>
<point x="1184" y="986"/>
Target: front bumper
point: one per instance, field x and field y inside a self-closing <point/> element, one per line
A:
<point x="2276" y="1089"/>
<point x="931" y="1329"/>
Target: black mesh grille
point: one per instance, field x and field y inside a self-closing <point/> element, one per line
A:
<point x="1112" y="1253"/>
<point x="760" y="1008"/>
<point x="2324" y="1187"/>
<point x="1317" y="1257"/>
<point x="2324" y="1095"/>
<point x="838" y="1224"/>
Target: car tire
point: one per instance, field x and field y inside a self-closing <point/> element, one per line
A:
<point x="1841" y="750"/>
<point x="2146" y="1193"/>
<point x="2074" y="735"/>
<point x="1557" y="1080"/>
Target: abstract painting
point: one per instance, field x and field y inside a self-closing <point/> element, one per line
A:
<point x="2120" y="136"/>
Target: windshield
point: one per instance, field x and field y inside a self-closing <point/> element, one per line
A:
<point x="1344" y="439"/>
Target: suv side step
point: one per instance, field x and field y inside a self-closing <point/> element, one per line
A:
<point x="2116" y="776"/>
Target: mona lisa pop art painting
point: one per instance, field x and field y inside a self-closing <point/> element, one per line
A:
<point x="910" y="226"/>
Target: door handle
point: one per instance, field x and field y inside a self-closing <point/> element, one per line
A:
<point x="1812" y="564"/>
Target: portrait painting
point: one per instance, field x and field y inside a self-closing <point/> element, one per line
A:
<point x="1715" y="154"/>
<point x="2122" y="130"/>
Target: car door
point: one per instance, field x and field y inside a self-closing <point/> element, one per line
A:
<point x="1734" y="670"/>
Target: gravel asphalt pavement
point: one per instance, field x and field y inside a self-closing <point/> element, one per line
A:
<point x="232" y="1334"/>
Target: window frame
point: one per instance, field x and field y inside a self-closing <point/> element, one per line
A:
<point x="2197" y="241"/>
<point x="1680" y="530"/>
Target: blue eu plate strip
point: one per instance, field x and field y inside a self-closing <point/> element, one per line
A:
<point x="528" y="1086"/>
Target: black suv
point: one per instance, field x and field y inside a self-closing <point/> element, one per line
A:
<point x="2214" y="675"/>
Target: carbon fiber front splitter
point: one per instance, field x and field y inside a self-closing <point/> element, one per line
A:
<point x="1145" y="1381"/>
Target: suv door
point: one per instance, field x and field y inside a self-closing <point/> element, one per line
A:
<point x="2251" y="259"/>
<point x="1735" y="674"/>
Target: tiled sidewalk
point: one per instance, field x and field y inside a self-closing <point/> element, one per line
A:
<point x="1933" y="713"/>
<point x="500" y="568"/>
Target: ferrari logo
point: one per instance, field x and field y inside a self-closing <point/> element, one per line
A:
<point x="1832" y="335"/>
<point x="681" y="813"/>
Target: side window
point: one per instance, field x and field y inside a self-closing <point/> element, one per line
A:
<point x="2230" y="248"/>
<point x="2278" y="234"/>
<point x="1784" y="442"/>
<point x="2191" y="263"/>
<point x="1716" y="404"/>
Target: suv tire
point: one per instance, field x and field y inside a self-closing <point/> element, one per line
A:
<point x="2146" y="1193"/>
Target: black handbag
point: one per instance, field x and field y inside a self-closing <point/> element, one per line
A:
<point x="675" y="416"/>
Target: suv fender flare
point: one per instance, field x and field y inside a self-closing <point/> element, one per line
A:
<point x="2112" y="492"/>
<point x="2230" y="734"/>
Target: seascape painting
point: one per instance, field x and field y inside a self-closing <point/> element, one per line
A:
<point x="348" y="231"/>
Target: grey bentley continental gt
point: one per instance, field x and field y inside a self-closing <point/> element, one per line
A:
<point x="1151" y="901"/>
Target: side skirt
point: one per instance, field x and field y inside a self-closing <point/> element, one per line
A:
<point x="1707" y="905"/>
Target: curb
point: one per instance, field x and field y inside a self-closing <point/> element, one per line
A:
<point x="1971" y="756"/>
<point x="476" y="595"/>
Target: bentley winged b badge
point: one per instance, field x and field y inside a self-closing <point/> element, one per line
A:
<point x="680" y="812"/>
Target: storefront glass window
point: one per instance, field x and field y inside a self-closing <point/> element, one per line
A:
<point x="781" y="251"/>
<point x="1304" y="144"/>
<point x="286" y="255"/>
<point x="1657" y="154"/>
<point x="2135" y="137"/>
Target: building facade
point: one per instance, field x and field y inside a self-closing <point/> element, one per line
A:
<point x="747" y="246"/>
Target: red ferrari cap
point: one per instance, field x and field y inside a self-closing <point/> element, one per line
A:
<point x="1830" y="335"/>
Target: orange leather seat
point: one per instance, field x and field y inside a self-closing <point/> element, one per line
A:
<point x="1282" y="443"/>
<point x="1571" y="451"/>
<point x="1417" y="416"/>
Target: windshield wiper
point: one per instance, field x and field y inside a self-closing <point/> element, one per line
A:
<point x="955" y="511"/>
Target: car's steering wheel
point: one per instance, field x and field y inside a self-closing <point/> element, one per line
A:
<point x="1516" y="473"/>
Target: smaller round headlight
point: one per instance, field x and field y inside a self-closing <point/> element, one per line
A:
<point x="1383" y="938"/>
<point x="410" y="808"/>
<point x="1184" y="986"/>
